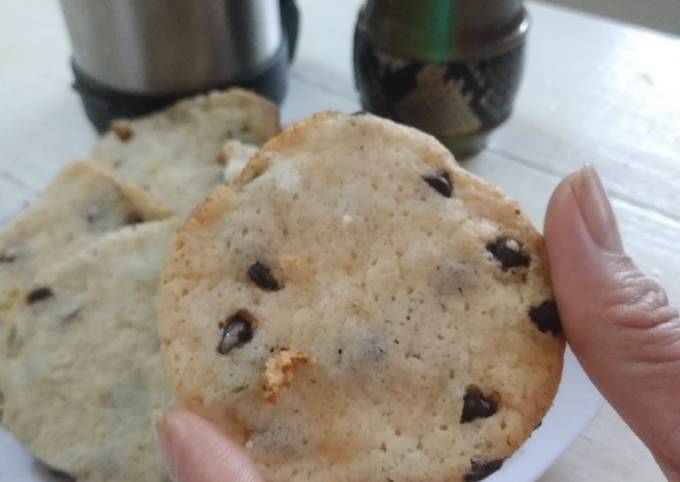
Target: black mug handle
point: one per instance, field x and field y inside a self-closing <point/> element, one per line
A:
<point x="290" y="20"/>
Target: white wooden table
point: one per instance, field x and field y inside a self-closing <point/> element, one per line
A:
<point x="594" y="91"/>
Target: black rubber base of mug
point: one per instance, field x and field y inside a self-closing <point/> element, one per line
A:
<point x="103" y="104"/>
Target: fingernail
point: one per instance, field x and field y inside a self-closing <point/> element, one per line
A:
<point x="596" y="210"/>
<point x="165" y="446"/>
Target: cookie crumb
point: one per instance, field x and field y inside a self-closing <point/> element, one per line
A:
<point x="294" y="267"/>
<point x="234" y="156"/>
<point x="346" y="219"/>
<point x="279" y="371"/>
<point x="508" y="252"/>
<point x="122" y="129"/>
<point x="221" y="158"/>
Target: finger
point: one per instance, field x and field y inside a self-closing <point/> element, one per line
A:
<point x="617" y="321"/>
<point x="195" y="451"/>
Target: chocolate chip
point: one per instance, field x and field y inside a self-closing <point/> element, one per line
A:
<point x="546" y="317"/>
<point x="122" y="129"/>
<point x="261" y="275"/>
<point x="440" y="182"/>
<point x="240" y="388"/>
<point x="236" y="331"/>
<point x="13" y="343"/>
<point x="134" y="218"/>
<point x="509" y="252"/>
<point x="481" y="470"/>
<point x="52" y="474"/>
<point x="39" y="294"/>
<point x="92" y="213"/>
<point x="7" y="258"/>
<point x="477" y="405"/>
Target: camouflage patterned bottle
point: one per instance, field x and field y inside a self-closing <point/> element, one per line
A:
<point x="448" y="67"/>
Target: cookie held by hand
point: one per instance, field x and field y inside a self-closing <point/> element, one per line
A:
<point x="355" y="306"/>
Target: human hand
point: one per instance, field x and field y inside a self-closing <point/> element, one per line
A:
<point x="195" y="451"/>
<point x="617" y="322"/>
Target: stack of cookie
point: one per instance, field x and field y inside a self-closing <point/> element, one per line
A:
<point x="351" y="305"/>
<point x="80" y="367"/>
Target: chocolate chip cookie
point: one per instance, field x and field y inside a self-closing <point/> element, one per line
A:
<point x="356" y="306"/>
<point x="80" y="205"/>
<point x="82" y="369"/>
<point x="176" y="154"/>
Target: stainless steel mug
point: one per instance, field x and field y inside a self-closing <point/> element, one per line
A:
<point x="449" y="67"/>
<point x="134" y="56"/>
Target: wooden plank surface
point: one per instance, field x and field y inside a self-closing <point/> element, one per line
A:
<point x="594" y="91"/>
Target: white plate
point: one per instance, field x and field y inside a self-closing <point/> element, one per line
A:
<point x="576" y="404"/>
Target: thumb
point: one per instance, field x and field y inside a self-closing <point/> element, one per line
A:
<point x="195" y="451"/>
<point x="617" y="321"/>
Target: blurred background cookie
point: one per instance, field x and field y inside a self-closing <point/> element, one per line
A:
<point x="175" y="154"/>
<point x="82" y="367"/>
<point x="81" y="204"/>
